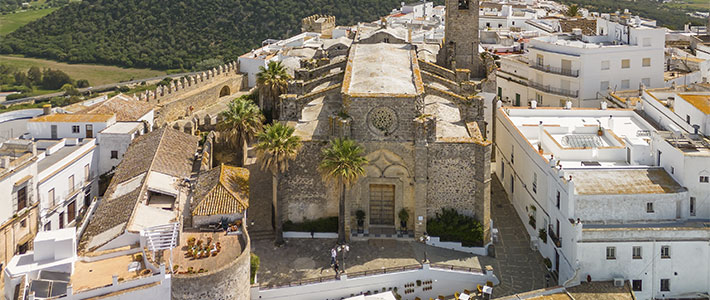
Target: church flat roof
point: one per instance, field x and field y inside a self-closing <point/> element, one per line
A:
<point x="382" y="69"/>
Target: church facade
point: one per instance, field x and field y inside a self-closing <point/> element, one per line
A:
<point x="420" y="125"/>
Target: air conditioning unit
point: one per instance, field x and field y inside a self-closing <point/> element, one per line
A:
<point x="619" y="282"/>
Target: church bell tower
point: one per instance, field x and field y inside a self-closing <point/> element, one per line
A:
<point x="461" y="37"/>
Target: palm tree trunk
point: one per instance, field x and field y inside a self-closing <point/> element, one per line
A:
<point x="244" y="152"/>
<point x="341" y="217"/>
<point x="277" y="216"/>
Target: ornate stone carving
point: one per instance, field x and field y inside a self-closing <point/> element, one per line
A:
<point x="382" y="120"/>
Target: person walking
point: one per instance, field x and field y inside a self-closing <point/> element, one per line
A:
<point x="333" y="255"/>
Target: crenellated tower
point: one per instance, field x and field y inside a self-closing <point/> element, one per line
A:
<point x="461" y="37"/>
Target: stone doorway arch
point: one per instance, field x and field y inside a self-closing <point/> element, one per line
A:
<point x="225" y="91"/>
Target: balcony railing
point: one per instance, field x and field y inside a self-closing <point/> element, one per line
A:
<point x="553" y="236"/>
<point x="556" y="91"/>
<point x="555" y="70"/>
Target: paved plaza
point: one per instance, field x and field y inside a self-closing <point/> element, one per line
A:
<point x="517" y="267"/>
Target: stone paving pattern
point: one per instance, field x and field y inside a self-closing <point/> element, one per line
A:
<point x="517" y="267"/>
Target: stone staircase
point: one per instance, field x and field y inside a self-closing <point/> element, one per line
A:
<point x="260" y="235"/>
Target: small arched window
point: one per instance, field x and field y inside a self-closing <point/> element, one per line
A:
<point x="463" y="4"/>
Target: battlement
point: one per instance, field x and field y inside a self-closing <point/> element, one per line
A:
<point x="319" y="24"/>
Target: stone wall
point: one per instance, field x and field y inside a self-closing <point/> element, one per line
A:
<point x="404" y="110"/>
<point x="302" y="192"/>
<point x="232" y="282"/>
<point x="452" y="183"/>
<point x="175" y="107"/>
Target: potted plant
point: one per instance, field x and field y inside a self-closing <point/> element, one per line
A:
<point x="360" y="216"/>
<point x="600" y="131"/>
<point x="542" y="233"/>
<point x="403" y="217"/>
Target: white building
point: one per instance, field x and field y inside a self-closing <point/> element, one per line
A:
<point x="583" y="68"/>
<point x="607" y="197"/>
<point x="57" y="126"/>
<point x="54" y="271"/>
<point x="67" y="180"/>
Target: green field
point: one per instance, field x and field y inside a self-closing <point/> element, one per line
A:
<point x="96" y="74"/>
<point x="10" y="22"/>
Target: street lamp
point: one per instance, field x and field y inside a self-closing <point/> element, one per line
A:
<point x="345" y="248"/>
<point x="424" y="239"/>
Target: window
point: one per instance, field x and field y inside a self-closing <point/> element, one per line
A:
<point x="558" y="199"/>
<point x="488" y="24"/>
<point x="48" y="226"/>
<point x="672" y="170"/>
<point x="646" y="81"/>
<point x="636" y="252"/>
<point x="86" y="172"/>
<point x="538" y="98"/>
<point x="21" y="198"/>
<point x="71" y="212"/>
<point x="704" y="179"/>
<point x="463" y="4"/>
<point x="502" y="170"/>
<point x="534" y="183"/>
<point x="665" y="251"/>
<point x="649" y="207"/>
<point x="647" y="42"/>
<point x="540" y="60"/>
<point x="687" y="119"/>
<point x="610" y="253"/>
<point x="646" y="62"/>
<point x="512" y="155"/>
<point x="604" y="85"/>
<point x="114" y="154"/>
<point x="605" y="65"/>
<point x="625" y="63"/>
<point x="637" y="285"/>
<point x="75" y="129"/>
<point x="71" y="183"/>
<point x="61" y="220"/>
<point x="23" y="223"/>
<point x="692" y="206"/>
<point x="625" y="84"/>
<point x="50" y="198"/>
<point x="512" y="184"/>
<point x="665" y="285"/>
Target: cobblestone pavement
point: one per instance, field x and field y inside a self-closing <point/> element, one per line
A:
<point x="517" y="267"/>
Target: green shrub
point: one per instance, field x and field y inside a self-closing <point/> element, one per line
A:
<point x="254" y="263"/>
<point x="542" y="233"/>
<point x="15" y="96"/>
<point x="451" y="226"/>
<point x="329" y="224"/>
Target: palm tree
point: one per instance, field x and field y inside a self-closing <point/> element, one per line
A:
<point x="272" y="81"/>
<point x="572" y="11"/>
<point x="343" y="164"/>
<point x="277" y="145"/>
<point x="240" y="123"/>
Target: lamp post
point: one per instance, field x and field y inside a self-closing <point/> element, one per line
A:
<point x="345" y="249"/>
<point x="424" y="239"/>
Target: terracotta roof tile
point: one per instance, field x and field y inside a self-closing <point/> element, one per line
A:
<point x="125" y="108"/>
<point x="222" y="190"/>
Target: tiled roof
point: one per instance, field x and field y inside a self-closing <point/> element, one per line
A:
<point x="221" y="191"/>
<point x="74" y="118"/>
<point x="165" y="150"/>
<point x="125" y="108"/>
<point x="588" y="26"/>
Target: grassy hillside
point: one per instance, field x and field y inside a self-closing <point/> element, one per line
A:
<point x="97" y="75"/>
<point x="171" y="34"/>
<point x="10" y="22"/>
<point x="671" y="15"/>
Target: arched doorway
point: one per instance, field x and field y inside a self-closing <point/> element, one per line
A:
<point x="225" y="91"/>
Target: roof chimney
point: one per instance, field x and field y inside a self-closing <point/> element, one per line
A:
<point x="5" y="162"/>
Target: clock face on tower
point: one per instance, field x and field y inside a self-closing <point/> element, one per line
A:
<point x="382" y="120"/>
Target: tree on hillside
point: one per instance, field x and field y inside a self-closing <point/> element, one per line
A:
<point x="272" y="81"/>
<point x="343" y="164"/>
<point x="34" y="74"/>
<point x="82" y="83"/>
<point x="239" y="125"/>
<point x="54" y="79"/>
<point x="277" y="146"/>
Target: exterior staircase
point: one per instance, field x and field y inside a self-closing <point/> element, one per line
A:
<point x="260" y="235"/>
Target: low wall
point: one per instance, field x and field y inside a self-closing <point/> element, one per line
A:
<point x="229" y="283"/>
<point x="443" y="282"/>
<point x="456" y="246"/>
<point x="307" y="235"/>
<point x="172" y="108"/>
<point x="154" y="287"/>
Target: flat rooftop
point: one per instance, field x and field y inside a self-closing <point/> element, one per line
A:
<point x="74" y="118"/>
<point x="58" y="155"/>
<point x="382" y="69"/>
<point x="122" y="128"/>
<point x="623" y="181"/>
<point x="90" y="275"/>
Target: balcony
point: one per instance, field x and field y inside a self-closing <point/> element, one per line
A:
<point x="555" y="70"/>
<point x="556" y="240"/>
<point x="551" y="90"/>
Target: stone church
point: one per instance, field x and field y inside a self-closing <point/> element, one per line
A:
<point x="420" y="123"/>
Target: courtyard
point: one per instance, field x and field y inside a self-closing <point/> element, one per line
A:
<point x="517" y="267"/>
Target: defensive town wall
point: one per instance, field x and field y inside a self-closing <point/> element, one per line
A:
<point x="231" y="282"/>
<point x="191" y="93"/>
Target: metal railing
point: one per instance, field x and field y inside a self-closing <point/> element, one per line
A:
<point x="350" y="275"/>
<point x="456" y="268"/>
<point x="557" y="91"/>
<point x="555" y="70"/>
